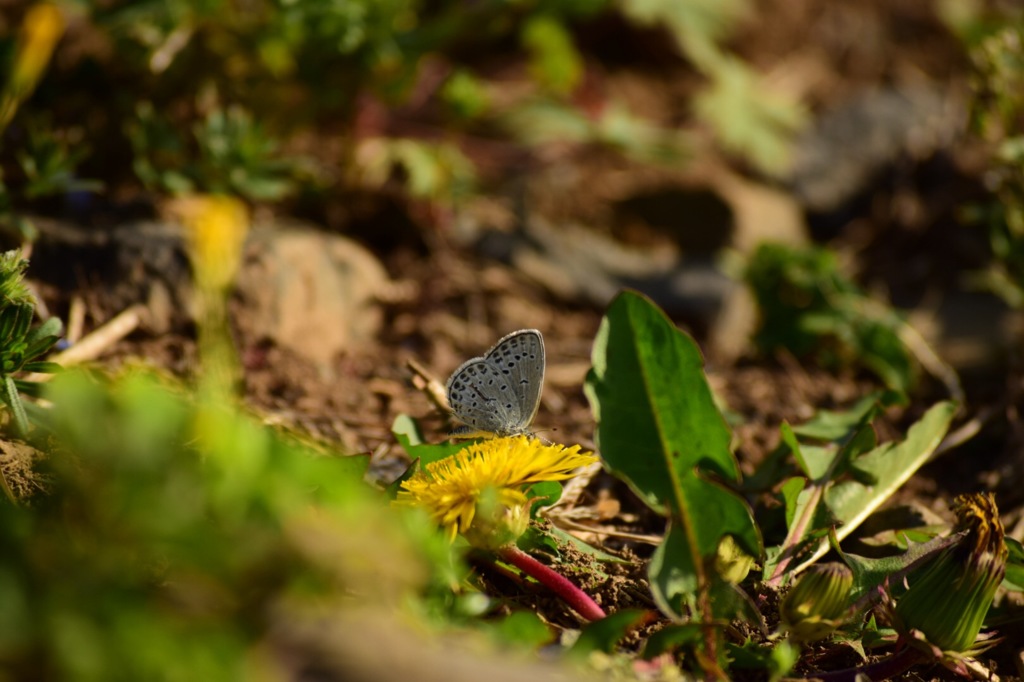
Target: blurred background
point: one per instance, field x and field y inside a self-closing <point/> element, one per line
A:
<point x="417" y="178"/>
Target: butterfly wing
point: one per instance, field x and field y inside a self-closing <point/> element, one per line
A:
<point x="480" y="395"/>
<point x="519" y="357"/>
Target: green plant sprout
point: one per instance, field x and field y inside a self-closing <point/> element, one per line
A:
<point x="227" y="153"/>
<point x="659" y="429"/>
<point x="809" y="307"/>
<point x="21" y="347"/>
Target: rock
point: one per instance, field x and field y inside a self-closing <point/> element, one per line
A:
<point x="698" y="218"/>
<point x="310" y="292"/>
<point x="305" y="290"/>
<point x="134" y="263"/>
<point x="837" y="158"/>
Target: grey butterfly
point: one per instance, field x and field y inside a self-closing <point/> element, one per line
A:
<point x="499" y="393"/>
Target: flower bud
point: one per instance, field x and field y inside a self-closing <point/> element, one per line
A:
<point x="949" y="597"/>
<point x="818" y="602"/>
<point x="497" y="522"/>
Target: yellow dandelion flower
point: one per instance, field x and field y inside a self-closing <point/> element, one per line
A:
<point x="479" y="491"/>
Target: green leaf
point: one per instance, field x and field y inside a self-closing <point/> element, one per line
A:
<point x="879" y="473"/>
<point x="42" y="338"/>
<point x="42" y="367"/>
<point x="777" y="660"/>
<point x="351" y="466"/>
<point x="554" y="61"/>
<point x="660" y="431"/>
<point x="406" y="430"/>
<point x="567" y="538"/>
<point x="408" y="436"/>
<point x="1014" y="579"/>
<point x="671" y="637"/>
<point x="791" y="491"/>
<point x="808" y="306"/>
<point x="675" y="573"/>
<point x="748" y="117"/>
<point x="891" y="465"/>
<point x="827" y="425"/>
<point x="522" y="628"/>
<point x="604" y="634"/>
<point x="789" y="438"/>
<point x="8" y="318"/>
<point x="543" y="494"/>
<point x="13" y="401"/>
<point x="869" y="573"/>
<point x="14" y="323"/>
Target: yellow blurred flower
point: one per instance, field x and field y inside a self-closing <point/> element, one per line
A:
<point x="42" y="28"/>
<point x="479" y="491"/>
<point x="216" y="227"/>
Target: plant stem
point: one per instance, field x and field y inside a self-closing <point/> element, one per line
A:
<point x="579" y="600"/>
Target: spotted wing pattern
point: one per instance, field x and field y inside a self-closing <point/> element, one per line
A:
<point x="500" y="392"/>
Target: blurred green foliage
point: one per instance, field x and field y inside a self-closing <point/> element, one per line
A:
<point x="997" y="116"/>
<point x="177" y="535"/>
<point x="215" y="97"/>
<point x="42" y="159"/>
<point x="810" y="308"/>
<point x="228" y="153"/>
<point x="748" y="119"/>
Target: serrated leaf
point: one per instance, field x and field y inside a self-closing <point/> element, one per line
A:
<point x="890" y="465"/>
<point x="660" y="431"/>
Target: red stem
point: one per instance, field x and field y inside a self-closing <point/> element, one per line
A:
<point x="579" y="600"/>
